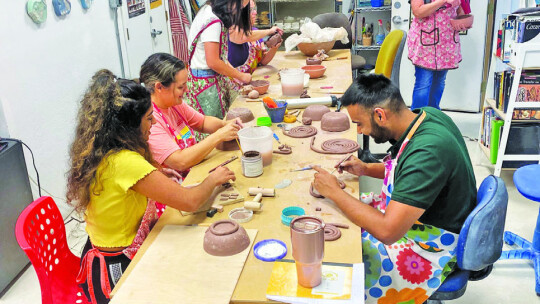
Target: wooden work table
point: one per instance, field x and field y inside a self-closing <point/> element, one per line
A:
<point x="251" y="287"/>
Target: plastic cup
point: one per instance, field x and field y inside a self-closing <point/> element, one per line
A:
<point x="276" y="114"/>
<point x="292" y="82"/>
<point x="257" y="139"/>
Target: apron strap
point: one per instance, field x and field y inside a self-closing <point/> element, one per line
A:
<point x="411" y="133"/>
<point x="196" y="39"/>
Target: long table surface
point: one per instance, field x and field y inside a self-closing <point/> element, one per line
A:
<point x="252" y="284"/>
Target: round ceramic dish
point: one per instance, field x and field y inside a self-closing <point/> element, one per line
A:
<point x="241" y="215"/>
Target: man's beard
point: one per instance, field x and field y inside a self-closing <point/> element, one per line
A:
<point x="379" y="134"/>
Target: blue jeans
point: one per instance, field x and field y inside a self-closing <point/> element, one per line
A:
<point x="428" y="88"/>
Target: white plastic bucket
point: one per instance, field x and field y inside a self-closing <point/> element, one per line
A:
<point x="257" y="139"/>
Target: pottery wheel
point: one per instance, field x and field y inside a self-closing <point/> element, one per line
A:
<point x="301" y="131"/>
<point x="331" y="233"/>
<point x="335" y="146"/>
<point x="315" y="193"/>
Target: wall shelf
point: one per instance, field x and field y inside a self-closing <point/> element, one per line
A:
<point x="373" y="9"/>
<point x="368" y="48"/>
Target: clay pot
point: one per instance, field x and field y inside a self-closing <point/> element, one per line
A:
<point x="224" y="238"/>
<point x="335" y="122"/>
<point x="315" y="112"/>
<point x="310" y="49"/>
<point x="260" y="86"/>
<point x="273" y="40"/>
<point x="366" y="41"/>
<point x="462" y="21"/>
<point x="244" y="114"/>
<point x="313" y="61"/>
<point x="314" y="71"/>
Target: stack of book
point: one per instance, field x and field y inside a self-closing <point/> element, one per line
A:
<point x="518" y="27"/>
<point x="528" y="90"/>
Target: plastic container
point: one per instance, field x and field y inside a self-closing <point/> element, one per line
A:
<point x="257" y="139"/>
<point x="276" y="114"/>
<point x="377" y="3"/>
<point x="264" y="121"/>
<point x="292" y="82"/>
<point x="252" y="165"/>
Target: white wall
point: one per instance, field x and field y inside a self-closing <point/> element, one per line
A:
<point x="45" y="69"/>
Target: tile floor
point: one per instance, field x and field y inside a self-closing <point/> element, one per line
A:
<point x="510" y="281"/>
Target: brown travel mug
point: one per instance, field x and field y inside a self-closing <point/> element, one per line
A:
<point x="307" y="238"/>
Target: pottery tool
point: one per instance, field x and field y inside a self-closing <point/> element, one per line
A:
<point x="297" y="103"/>
<point x="240" y="147"/>
<point x="226" y="162"/>
<point x="264" y="191"/>
<point x="276" y="137"/>
<point x="339" y="163"/>
<point x="301" y="169"/>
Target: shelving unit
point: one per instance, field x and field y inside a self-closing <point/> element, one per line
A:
<point x="521" y="52"/>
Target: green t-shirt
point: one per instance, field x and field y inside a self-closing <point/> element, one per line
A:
<point x="435" y="173"/>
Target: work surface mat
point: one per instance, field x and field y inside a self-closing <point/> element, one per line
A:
<point x="176" y="269"/>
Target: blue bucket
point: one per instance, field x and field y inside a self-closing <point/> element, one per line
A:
<point x="276" y="114"/>
<point x="377" y="3"/>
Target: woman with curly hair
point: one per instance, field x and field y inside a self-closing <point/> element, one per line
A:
<point x="112" y="175"/>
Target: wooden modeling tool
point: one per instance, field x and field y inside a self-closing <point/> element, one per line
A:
<point x="225" y="162"/>
<point x="239" y="146"/>
<point x="339" y="163"/>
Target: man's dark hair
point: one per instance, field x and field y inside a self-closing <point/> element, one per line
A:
<point x="372" y="91"/>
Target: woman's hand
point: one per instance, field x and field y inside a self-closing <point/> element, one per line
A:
<point x="172" y="174"/>
<point x="245" y="78"/>
<point x="275" y="29"/>
<point x="353" y="166"/>
<point x="229" y="131"/>
<point x="221" y="176"/>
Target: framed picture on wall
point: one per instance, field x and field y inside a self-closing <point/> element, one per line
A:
<point x="135" y="8"/>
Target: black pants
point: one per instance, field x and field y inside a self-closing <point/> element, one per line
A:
<point x="116" y="265"/>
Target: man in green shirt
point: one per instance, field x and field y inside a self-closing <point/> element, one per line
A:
<point x="429" y="178"/>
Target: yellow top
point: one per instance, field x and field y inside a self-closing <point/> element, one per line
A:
<point x="115" y="211"/>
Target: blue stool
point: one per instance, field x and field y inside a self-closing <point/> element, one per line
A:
<point x="527" y="181"/>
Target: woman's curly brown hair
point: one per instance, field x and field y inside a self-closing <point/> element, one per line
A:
<point x="109" y="121"/>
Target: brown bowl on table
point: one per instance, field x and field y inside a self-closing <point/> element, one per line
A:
<point x="260" y="86"/>
<point x="314" y="71"/>
<point x="310" y="49"/>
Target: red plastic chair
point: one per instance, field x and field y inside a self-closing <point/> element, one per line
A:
<point x="41" y="233"/>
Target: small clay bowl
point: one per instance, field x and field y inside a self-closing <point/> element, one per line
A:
<point x="314" y="71"/>
<point x="224" y="238"/>
<point x="313" y="61"/>
<point x="462" y="21"/>
<point x="260" y="86"/>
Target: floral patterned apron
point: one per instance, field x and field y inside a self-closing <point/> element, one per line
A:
<point x="210" y="95"/>
<point x="413" y="268"/>
<point x="254" y="57"/>
<point x="184" y="139"/>
<point x="148" y="221"/>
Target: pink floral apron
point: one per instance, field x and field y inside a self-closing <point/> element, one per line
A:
<point x="148" y="221"/>
<point x="210" y="95"/>
<point x="432" y="41"/>
<point x="413" y="268"/>
<point x="184" y="139"/>
<point x="255" y="56"/>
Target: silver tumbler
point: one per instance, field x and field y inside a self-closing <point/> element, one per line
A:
<point x="307" y="238"/>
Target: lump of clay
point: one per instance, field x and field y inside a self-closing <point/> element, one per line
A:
<point x="315" y="112"/>
<point x="273" y="40"/>
<point x="246" y="89"/>
<point x="335" y="122"/>
<point x="245" y="114"/>
<point x="304" y="94"/>
<point x="253" y="94"/>
<point x="224" y="238"/>
<point x="306" y="121"/>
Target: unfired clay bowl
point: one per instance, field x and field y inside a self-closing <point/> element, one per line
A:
<point x="244" y="114"/>
<point x="315" y="112"/>
<point x="314" y="71"/>
<point x="462" y="21"/>
<point x="310" y="49"/>
<point x="224" y="238"/>
<point x="335" y="122"/>
<point x="260" y="85"/>
<point x="313" y="61"/>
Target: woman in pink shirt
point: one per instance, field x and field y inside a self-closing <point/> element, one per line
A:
<point x="172" y="140"/>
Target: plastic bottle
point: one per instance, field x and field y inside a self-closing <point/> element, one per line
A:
<point x="379" y="38"/>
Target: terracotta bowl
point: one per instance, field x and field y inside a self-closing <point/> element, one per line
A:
<point x="314" y="71"/>
<point x="260" y="86"/>
<point x="224" y="238"/>
<point x="313" y="61"/>
<point x="310" y="49"/>
<point x="462" y="21"/>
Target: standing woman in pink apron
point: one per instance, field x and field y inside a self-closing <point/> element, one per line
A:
<point x="112" y="175"/>
<point x="248" y="52"/>
<point x="434" y="48"/>
<point x="172" y="140"/>
<point x="209" y="83"/>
